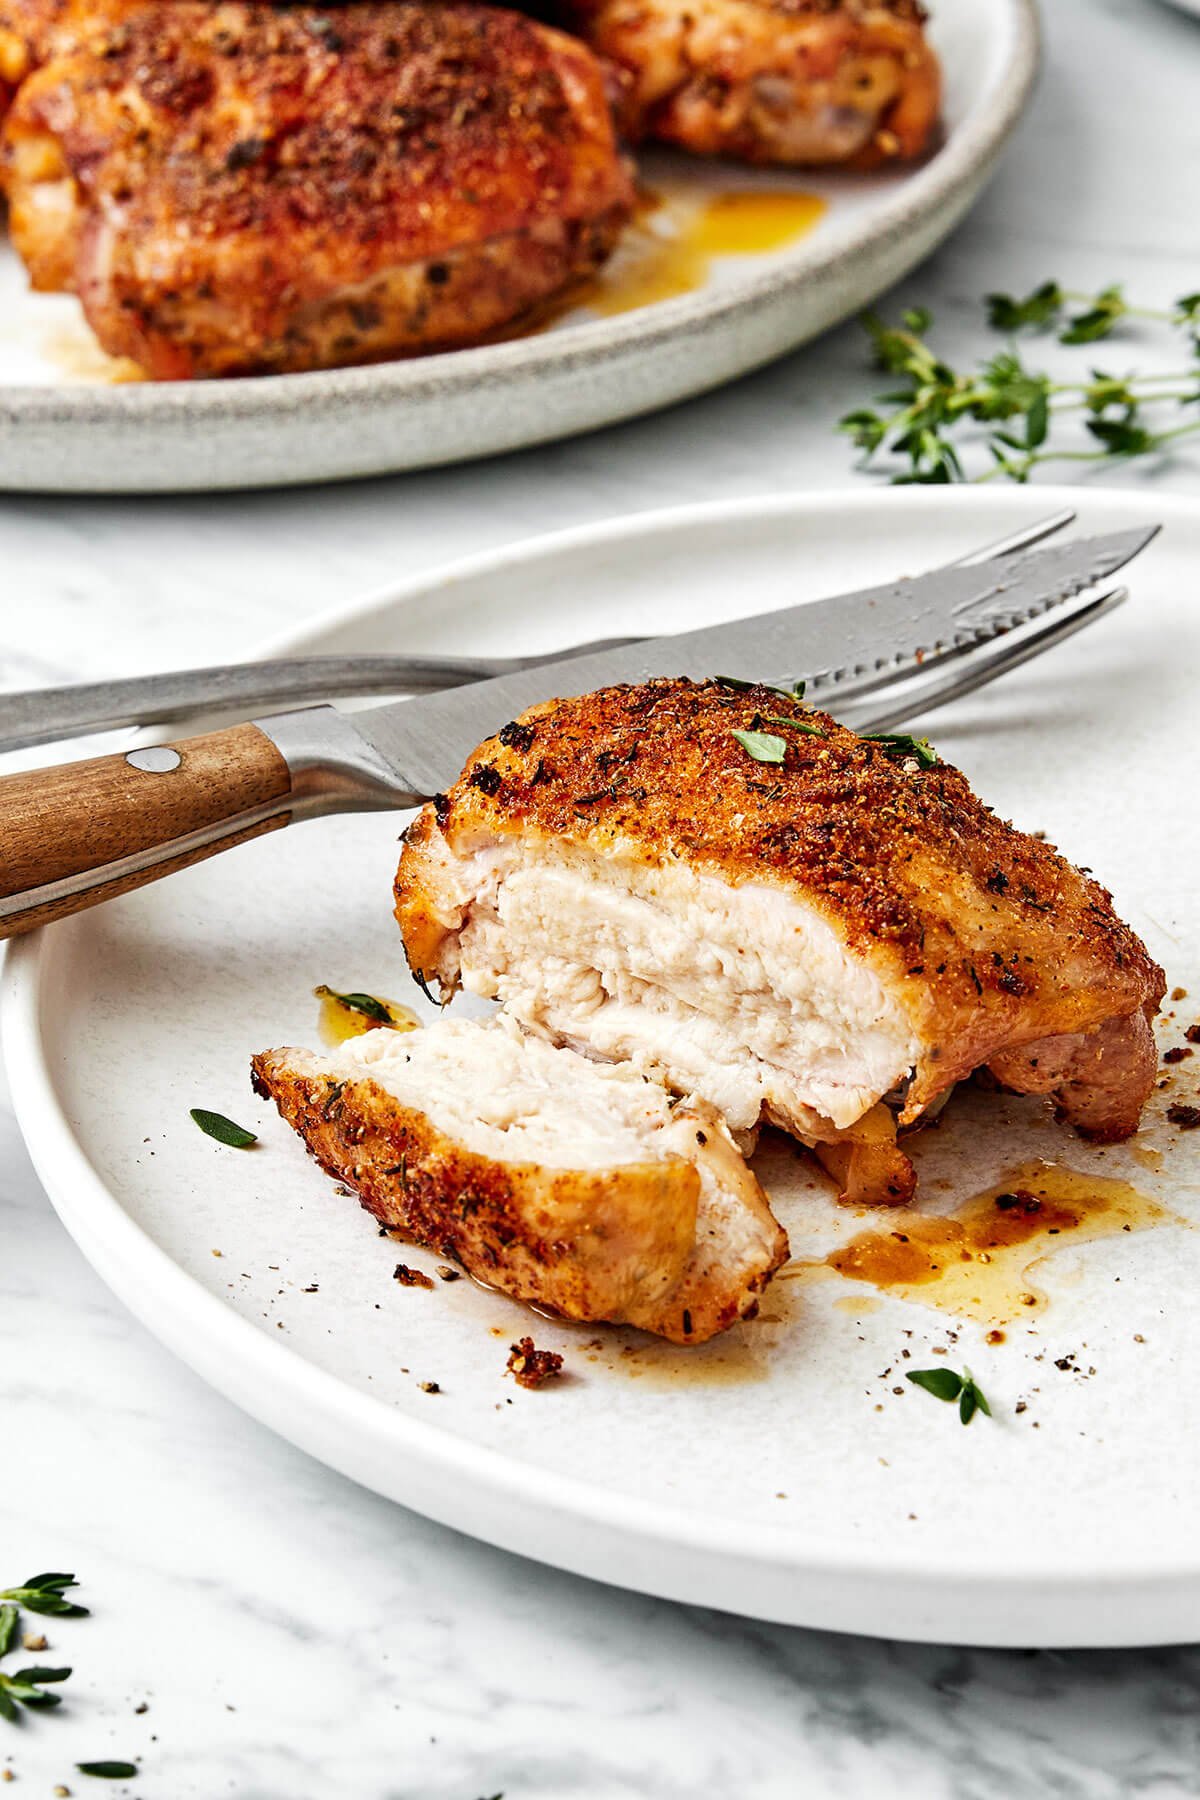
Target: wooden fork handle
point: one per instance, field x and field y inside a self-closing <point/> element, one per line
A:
<point x="85" y="831"/>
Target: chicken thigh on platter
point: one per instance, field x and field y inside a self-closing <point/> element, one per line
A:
<point x="771" y="81"/>
<point x="251" y="188"/>
<point x="576" y="1185"/>
<point x="827" y="942"/>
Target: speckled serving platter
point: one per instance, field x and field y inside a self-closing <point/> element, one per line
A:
<point x="72" y="421"/>
<point x="787" y="1470"/>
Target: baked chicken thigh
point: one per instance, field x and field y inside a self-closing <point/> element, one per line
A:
<point x="827" y="942"/>
<point x="242" y="187"/>
<point x="577" y="1185"/>
<point x="771" y="81"/>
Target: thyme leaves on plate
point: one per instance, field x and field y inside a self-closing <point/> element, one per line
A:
<point x="949" y="1385"/>
<point x="367" y="1004"/>
<point x="225" y="1131"/>
<point x="934" y="415"/>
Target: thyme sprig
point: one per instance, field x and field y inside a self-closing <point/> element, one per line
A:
<point x="27" y="1687"/>
<point x="45" y="1594"/>
<point x="935" y="415"/>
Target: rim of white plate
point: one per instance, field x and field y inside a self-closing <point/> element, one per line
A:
<point x="931" y="187"/>
<point x="257" y="1370"/>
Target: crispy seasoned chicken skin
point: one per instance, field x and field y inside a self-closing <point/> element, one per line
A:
<point x="31" y="29"/>
<point x="828" y="944"/>
<point x="772" y="81"/>
<point x="574" y="1184"/>
<point x="22" y="25"/>
<point x="241" y="187"/>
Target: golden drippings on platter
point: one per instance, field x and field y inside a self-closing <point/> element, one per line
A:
<point x="338" y="1022"/>
<point x="727" y="1361"/>
<point x="976" y="1261"/>
<point x="750" y="223"/>
<point x="1146" y="1156"/>
<point x="673" y="255"/>
<point x="730" y="1360"/>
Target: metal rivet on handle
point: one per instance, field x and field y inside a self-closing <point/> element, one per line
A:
<point x="158" y="759"/>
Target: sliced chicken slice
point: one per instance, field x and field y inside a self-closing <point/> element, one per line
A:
<point x="796" y="941"/>
<point x="573" y="1184"/>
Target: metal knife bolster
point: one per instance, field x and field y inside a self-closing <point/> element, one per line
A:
<point x="333" y="767"/>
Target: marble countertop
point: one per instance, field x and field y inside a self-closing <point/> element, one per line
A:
<point x="289" y="1635"/>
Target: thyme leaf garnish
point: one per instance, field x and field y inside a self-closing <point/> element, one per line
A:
<point x="216" y="1125"/>
<point x="366" y="1004"/>
<point x="900" y="747"/>
<point x="111" y="1771"/>
<point x="949" y="1385"/>
<point x="801" y="725"/>
<point x="792" y="690"/>
<point x="763" y="746"/>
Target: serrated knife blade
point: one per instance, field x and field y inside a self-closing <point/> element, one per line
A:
<point x="424" y="742"/>
<point x="79" y="833"/>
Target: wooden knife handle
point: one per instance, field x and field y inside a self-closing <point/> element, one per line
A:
<point x="84" y="831"/>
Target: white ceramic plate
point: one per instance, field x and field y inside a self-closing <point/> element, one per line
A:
<point x="67" y="426"/>
<point x="777" y="1472"/>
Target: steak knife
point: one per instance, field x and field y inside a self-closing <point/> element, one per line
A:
<point x="82" y="832"/>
